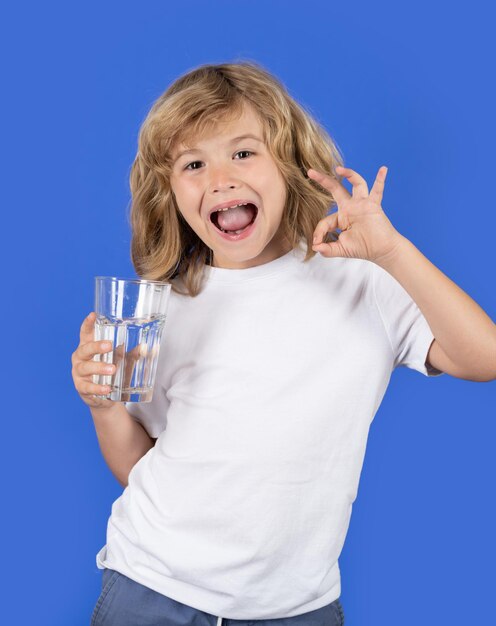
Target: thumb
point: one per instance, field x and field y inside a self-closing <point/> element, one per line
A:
<point x="330" y="250"/>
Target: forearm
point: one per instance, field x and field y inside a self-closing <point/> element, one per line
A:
<point x="461" y="327"/>
<point x="122" y="440"/>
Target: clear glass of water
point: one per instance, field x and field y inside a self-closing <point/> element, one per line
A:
<point x="131" y="315"/>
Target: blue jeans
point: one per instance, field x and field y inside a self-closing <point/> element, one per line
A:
<point x="124" y="602"/>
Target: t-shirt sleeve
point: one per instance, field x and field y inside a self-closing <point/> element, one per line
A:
<point x="409" y="333"/>
<point x="151" y="415"/>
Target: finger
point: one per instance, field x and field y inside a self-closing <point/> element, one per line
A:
<point x="360" y="189"/>
<point x="132" y="359"/>
<point x="338" y="191"/>
<point x="87" y="328"/>
<point x="112" y="361"/>
<point x="86" y="388"/>
<point x="94" y="368"/>
<point x="377" y="190"/>
<point x="86" y="351"/>
<point x="329" y="250"/>
<point x="330" y="222"/>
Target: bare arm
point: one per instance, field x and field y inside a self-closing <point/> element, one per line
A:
<point x="465" y="336"/>
<point x="465" y="344"/>
<point x="122" y="440"/>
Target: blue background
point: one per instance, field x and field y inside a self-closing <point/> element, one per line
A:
<point x="410" y="87"/>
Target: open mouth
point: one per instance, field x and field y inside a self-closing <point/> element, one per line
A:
<point x="236" y="219"/>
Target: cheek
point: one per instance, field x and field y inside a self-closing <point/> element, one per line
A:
<point x="272" y="181"/>
<point x="184" y="196"/>
<point x="278" y="188"/>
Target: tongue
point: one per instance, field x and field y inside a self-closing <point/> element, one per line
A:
<point x="237" y="218"/>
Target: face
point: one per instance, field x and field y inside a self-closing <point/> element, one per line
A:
<point x="224" y="169"/>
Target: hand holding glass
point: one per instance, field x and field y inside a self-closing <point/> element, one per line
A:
<point x="131" y="315"/>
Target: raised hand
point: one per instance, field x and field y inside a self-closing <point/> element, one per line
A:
<point x="367" y="232"/>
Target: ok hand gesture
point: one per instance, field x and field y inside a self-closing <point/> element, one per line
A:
<point x="367" y="232"/>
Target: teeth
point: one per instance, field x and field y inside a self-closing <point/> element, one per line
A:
<point x="233" y="206"/>
<point x="235" y="232"/>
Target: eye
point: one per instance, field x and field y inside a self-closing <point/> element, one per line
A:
<point x="248" y="152"/>
<point x="189" y="166"/>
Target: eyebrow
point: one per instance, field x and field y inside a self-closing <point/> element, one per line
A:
<point x="230" y="142"/>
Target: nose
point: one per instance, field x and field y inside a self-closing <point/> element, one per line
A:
<point x="222" y="179"/>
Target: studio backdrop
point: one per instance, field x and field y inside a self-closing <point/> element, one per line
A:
<point x="409" y="86"/>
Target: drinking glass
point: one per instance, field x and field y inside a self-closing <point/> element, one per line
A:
<point x="131" y="315"/>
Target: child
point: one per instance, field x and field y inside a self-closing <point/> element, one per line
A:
<point x="283" y="329"/>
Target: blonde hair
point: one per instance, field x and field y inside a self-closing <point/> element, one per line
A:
<point x="163" y="245"/>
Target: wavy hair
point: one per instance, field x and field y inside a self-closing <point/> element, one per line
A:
<point x="163" y="245"/>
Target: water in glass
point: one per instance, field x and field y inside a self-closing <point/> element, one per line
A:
<point x="135" y="349"/>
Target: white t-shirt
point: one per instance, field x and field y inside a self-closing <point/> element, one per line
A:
<point x="267" y="384"/>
